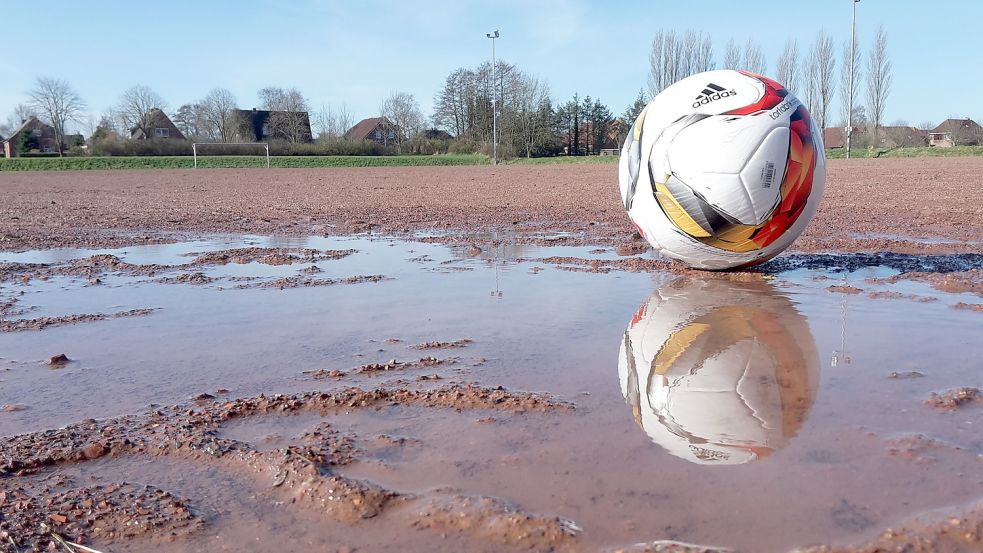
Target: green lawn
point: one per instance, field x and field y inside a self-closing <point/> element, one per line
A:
<point x="564" y="160"/>
<point x="186" y="162"/>
<point x="955" y="151"/>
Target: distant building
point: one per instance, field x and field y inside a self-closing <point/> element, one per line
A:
<point x="437" y="134"/>
<point x="261" y="125"/>
<point x="163" y="128"/>
<point x="835" y="137"/>
<point x="610" y="143"/>
<point x="901" y="137"/>
<point x="956" y="132"/>
<point x="377" y="129"/>
<point x="886" y="137"/>
<point x="36" y="135"/>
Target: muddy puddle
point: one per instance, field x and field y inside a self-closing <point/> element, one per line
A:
<point x="757" y="412"/>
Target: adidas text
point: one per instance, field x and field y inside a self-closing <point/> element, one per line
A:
<point x="705" y="99"/>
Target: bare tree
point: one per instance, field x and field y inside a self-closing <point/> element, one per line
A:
<point x="323" y="123"/>
<point x="527" y="122"/>
<point x="21" y="113"/>
<point x="878" y="77"/>
<point x="288" y="119"/>
<point x="136" y="109"/>
<point x="732" y="55"/>
<point x="788" y="65"/>
<point x="675" y="57"/>
<point x="820" y="70"/>
<point x="454" y="103"/>
<point x="190" y="120"/>
<point x="402" y="109"/>
<point x="702" y="57"/>
<point x="332" y="123"/>
<point x="530" y="94"/>
<point x="754" y="58"/>
<point x="845" y="79"/>
<point x="926" y="125"/>
<point x="57" y="104"/>
<point x="345" y="120"/>
<point x="695" y="54"/>
<point x="218" y="114"/>
<point x="663" y="61"/>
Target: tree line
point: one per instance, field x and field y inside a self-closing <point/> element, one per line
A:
<point x="811" y="75"/>
<point x="530" y="122"/>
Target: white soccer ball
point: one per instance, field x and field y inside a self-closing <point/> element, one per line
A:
<point x="722" y="169"/>
<point x="719" y="372"/>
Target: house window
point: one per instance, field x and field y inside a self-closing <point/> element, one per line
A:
<point x="162" y="133"/>
<point x="392" y="135"/>
<point x="377" y="134"/>
<point x="266" y="131"/>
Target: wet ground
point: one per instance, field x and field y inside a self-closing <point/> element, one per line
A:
<point x="363" y="393"/>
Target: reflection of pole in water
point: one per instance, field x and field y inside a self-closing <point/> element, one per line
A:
<point x="497" y="292"/>
<point x="842" y="354"/>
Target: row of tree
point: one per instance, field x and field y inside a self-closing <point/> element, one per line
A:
<point x="528" y="122"/>
<point x="213" y="118"/>
<point x="472" y="100"/>
<point x="812" y="77"/>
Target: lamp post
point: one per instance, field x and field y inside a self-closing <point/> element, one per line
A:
<point x="853" y="71"/>
<point x="493" y="35"/>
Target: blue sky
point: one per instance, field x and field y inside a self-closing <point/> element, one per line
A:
<point x="356" y="52"/>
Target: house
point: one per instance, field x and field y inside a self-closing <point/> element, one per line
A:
<point x="437" y="134"/>
<point x="163" y="127"/>
<point x="259" y="125"/>
<point x="609" y="144"/>
<point x="901" y="137"/>
<point x="377" y="129"/>
<point x="835" y="137"/>
<point x="33" y="134"/>
<point x="956" y="132"/>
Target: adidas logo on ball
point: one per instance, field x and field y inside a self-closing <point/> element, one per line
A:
<point x="712" y="92"/>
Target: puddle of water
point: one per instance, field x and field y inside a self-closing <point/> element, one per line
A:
<point x="903" y="238"/>
<point x="755" y="415"/>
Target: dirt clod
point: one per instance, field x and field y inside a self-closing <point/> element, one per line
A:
<point x="844" y="289"/>
<point x="950" y="400"/>
<point x="631" y="248"/>
<point x="443" y="345"/>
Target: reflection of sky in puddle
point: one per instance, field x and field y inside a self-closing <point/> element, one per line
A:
<point x="730" y="367"/>
<point x="903" y="238"/>
<point x="178" y="253"/>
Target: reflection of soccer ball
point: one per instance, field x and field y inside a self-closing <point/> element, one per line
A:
<point x="722" y="169"/>
<point x="719" y="372"/>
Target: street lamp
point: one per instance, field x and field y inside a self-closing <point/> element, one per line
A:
<point x="853" y="71"/>
<point x="493" y="35"/>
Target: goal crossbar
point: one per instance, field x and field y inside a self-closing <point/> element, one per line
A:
<point x="194" y="148"/>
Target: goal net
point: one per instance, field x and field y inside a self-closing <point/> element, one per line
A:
<point x="258" y="147"/>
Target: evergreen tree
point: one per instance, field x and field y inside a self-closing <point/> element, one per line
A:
<point x="632" y="111"/>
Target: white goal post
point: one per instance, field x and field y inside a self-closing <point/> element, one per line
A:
<point x="194" y="148"/>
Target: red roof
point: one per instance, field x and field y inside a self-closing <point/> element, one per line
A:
<point x="363" y="129"/>
<point x="955" y="125"/>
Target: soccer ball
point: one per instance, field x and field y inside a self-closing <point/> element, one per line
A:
<point x="722" y="169"/>
<point x="719" y="372"/>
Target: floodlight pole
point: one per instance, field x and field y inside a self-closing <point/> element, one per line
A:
<point x="853" y="71"/>
<point x="493" y="35"/>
